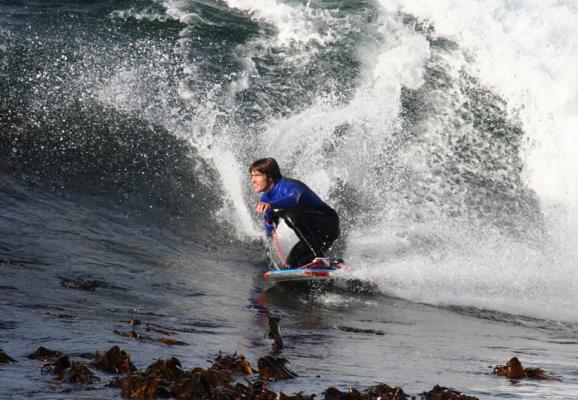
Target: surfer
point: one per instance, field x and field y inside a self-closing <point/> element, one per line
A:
<point x="313" y="221"/>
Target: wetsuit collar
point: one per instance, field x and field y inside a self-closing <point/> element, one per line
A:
<point x="274" y="185"/>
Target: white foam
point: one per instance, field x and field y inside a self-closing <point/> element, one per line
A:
<point x="455" y="266"/>
<point x="371" y="115"/>
<point x="139" y="15"/>
<point x="293" y="24"/>
<point x="228" y="168"/>
<point x="528" y="53"/>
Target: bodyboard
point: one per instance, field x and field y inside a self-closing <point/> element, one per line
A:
<point x="299" y="274"/>
<point x="320" y="276"/>
<point x="315" y="271"/>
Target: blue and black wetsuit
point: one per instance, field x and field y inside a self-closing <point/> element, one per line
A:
<point x="315" y="223"/>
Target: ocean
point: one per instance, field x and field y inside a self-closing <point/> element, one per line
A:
<point x="442" y="132"/>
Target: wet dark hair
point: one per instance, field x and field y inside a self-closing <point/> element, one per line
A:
<point x="267" y="166"/>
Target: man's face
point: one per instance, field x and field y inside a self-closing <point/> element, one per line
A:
<point x="260" y="182"/>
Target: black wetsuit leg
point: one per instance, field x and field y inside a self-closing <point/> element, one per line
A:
<point x="316" y="230"/>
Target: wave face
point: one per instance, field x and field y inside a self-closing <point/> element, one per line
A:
<point x="442" y="134"/>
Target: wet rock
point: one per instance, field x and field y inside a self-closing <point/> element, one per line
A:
<point x="5" y="358"/>
<point x="514" y="369"/>
<point x="274" y="332"/>
<point x="443" y="393"/>
<point x="273" y="368"/>
<point x="114" y="360"/>
<point x="44" y="354"/>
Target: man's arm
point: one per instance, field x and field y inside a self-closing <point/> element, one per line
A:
<point x="290" y="200"/>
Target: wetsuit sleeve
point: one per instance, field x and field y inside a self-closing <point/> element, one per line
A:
<point x="269" y="227"/>
<point x="270" y="219"/>
<point x="290" y="200"/>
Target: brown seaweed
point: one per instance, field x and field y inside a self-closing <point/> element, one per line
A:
<point x="61" y="316"/>
<point x="167" y="378"/>
<point x="514" y="370"/>
<point x="145" y="338"/>
<point x="70" y="372"/>
<point x="332" y="393"/>
<point x="79" y="373"/>
<point x="443" y="393"/>
<point x="57" y="367"/>
<point x="148" y="327"/>
<point x="359" y="330"/>
<point x="274" y="332"/>
<point x="5" y="358"/>
<point x="44" y="354"/>
<point x="221" y="380"/>
<point x="170" y="369"/>
<point x="297" y="396"/>
<point x="114" y="360"/>
<point x="233" y="363"/>
<point x="385" y="392"/>
<point x="273" y="368"/>
<point x="381" y="391"/>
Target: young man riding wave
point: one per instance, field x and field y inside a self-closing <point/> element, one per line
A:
<point x="314" y="222"/>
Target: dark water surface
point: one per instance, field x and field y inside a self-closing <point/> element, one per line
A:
<point x="89" y="260"/>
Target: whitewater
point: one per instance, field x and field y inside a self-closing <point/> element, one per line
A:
<point x="442" y="133"/>
<point x="521" y="51"/>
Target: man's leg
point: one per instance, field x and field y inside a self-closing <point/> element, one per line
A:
<point x="316" y="231"/>
<point x="300" y="255"/>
